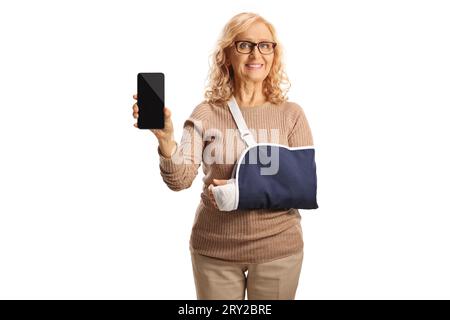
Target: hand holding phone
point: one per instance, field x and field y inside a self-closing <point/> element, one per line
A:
<point x="165" y="135"/>
<point x="161" y="134"/>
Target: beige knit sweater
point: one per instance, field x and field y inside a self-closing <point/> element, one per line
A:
<point x="242" y="236"/>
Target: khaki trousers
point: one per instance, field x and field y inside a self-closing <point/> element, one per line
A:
<point x="221" y="280"/>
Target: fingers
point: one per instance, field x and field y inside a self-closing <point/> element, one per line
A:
<point x="135" y="111"/>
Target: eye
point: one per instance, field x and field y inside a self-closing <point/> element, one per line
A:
<point x="244" y="45"/>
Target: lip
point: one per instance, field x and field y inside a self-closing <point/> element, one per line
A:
<point x="251" y="68"/>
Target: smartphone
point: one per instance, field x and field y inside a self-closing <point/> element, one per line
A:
<point x="150" y="100"/>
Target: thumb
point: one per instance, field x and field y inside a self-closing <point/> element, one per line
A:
<point x="167" y="113"/>
<point x="219" y="182"/>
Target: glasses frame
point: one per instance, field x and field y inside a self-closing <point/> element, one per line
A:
<point x="254" y="45"/>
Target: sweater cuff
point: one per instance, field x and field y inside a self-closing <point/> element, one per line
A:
<point x="166" y="163"/>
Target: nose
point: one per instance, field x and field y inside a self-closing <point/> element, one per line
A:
<point x="255" y="52"/>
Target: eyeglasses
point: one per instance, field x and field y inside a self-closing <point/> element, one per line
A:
<point x="265" y="47"/>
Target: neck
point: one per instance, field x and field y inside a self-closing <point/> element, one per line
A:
<point x="249" y="94"/>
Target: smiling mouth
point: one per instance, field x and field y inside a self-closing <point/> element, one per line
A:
<point x="253" y="66"/>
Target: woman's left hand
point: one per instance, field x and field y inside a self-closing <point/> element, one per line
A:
<point x="216" y="182"/>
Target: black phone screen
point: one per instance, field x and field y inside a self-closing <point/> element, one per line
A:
<point x="150" y="100"/>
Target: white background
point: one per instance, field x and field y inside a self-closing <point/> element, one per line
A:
<point x="84" y="213"/>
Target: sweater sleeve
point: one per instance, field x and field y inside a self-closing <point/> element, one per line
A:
<point x="180" y="169"/>
<point x="300" y="135"/>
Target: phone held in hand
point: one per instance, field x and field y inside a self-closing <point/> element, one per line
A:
<point x="150" y="100"/>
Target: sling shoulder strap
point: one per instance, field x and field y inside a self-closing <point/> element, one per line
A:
<point x="246" y="135"/>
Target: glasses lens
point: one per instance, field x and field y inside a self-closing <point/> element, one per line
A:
<point x="244" y="47"/>
<point x="266" y="47"/>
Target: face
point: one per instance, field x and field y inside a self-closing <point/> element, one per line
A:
<point x="243" y="63"/>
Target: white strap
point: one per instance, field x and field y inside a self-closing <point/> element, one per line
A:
<point x="246" y="135"/>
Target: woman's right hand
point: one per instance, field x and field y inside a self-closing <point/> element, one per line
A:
<point x="165" y="136"/>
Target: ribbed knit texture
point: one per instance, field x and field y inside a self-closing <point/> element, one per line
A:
<point x="242" y="236"/>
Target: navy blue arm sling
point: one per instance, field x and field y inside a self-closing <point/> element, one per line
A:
<point x="269" y="175"/>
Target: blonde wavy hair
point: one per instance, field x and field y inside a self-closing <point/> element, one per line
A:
<point x="220" y="78"/>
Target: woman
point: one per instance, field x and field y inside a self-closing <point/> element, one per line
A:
<point x="255" y="251"/>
